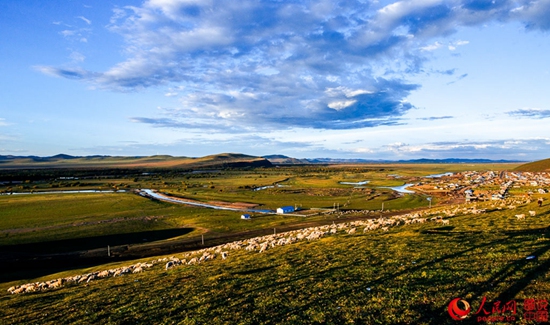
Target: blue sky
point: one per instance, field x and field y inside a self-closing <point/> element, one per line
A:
<point x="340" y="79"/>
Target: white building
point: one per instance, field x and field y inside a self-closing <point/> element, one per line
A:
<point x="285" y="209"/>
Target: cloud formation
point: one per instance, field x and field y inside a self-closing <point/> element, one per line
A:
<point x="272" y="64"/>
<point x="517" y="149"/>
<point x="535" y="113"/>
<point x="433" y="118"/>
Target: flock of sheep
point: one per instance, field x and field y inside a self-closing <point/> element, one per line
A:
<point x="56" y="283"/>
<point x="261" y="244"/>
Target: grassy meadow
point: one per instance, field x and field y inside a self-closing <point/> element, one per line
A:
<point x="36" y="218"/>
<point x="407" y="275"/>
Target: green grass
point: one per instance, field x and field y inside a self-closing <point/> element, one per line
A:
<point x="405" y="276"/>
<point x="535" y="166"/>
<point x="37" y="218"/>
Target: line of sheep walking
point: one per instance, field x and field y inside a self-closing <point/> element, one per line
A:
<point x="261" y="244"/>
<point x="57" y="283"/>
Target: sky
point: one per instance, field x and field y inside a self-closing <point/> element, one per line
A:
<point x="307" y="79"/>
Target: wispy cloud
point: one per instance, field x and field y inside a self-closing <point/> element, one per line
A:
<point x="453" y="46"/>
<point x="535" y="113"/>
<point x="84" y="19"/>
<point x="431" y="47"/>
<point x="69" y="73"/>
<point x="433" y="118"/>
<point x="77" y="57"/>
<point x="201" y="146"/>
<point x="76" y="34"/>
<point x="517" y="149"/>
<point x="462" y="76"/>
<point x="327" y="65"/>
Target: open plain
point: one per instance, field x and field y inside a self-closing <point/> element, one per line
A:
<point x="353" y="251"/>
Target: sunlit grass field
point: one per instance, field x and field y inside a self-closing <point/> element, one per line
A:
<point x="407" y="275"/>
<point x="46" y="217"/>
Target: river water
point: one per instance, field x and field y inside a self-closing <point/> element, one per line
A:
<point x="401" y="189"/>
<point x="162" y="197"/>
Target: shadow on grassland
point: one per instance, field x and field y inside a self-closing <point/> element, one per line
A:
<point x="88" y="243"/>
<point x="38" y="259"/>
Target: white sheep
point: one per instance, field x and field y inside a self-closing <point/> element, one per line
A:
<point x="520" y="216"/>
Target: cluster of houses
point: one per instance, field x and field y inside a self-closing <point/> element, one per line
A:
<point x="488" y="185"/>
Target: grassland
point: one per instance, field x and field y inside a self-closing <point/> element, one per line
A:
<point x="40" y="218"/>
<point x="407" y="275"/>
<point x="535" y="166"/>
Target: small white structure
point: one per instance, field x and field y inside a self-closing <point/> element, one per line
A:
<point x="285" y="209"/>
<point x="245" y="216"/>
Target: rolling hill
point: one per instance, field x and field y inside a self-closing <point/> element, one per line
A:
<point x="535" y="166"/>
<point x="406" y="274"/>
<point x="157" y="161"/>
<point x="285" y="160"/>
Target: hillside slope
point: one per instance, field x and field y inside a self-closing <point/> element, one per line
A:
<point x="285" y="160"/>
<point x="405" y="275"/>
<point x="535" y="166"/>
<point x="158" y="161"/>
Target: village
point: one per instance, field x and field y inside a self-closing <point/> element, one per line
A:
<point x="472" y="186"/>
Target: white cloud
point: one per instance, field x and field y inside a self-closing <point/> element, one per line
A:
<point x="67" y="32"/>
<point x="535" y="113"/>
<point x="452" y="46"/>
<point x="324" y="64"/>
<point x="86" y="20"/>
<point x="77" y="57"/>
<point x="431" y="47"/>
<point x="339" y="105"/>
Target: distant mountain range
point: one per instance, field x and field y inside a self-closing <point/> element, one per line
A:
<point x="159" y="161"/>
<point x="280" y="159"/>
<point x="212" y="161"/>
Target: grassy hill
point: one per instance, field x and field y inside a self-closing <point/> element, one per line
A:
<point x="407" y="275"/>
<point x="285" y="160"/>
<point x="535" y="166"/>
<point x="158" y="161"/>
